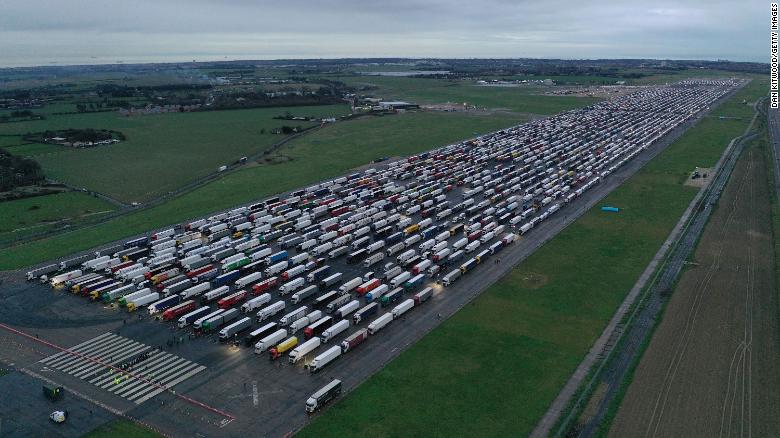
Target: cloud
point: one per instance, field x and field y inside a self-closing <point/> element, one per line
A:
<point x="41" y="31"/>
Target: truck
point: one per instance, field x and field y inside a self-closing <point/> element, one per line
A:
<point x="422" y="296"/>
<point x="468" y="266"/>
<point x="215" y="294"/>
<point x="265" y="285"/>
<point x="323" y="396"/>
<point x="354" y="340"/>
<point x="323" y="299"/>
<point x="192" y="316"/>
<point x="163" y="304"/>
<point x="260" y="333"/>
<point x="330" y="280"/>
<point x="234" y="329"/>
<point x="198" y="323"/>
<point x="400" y="279"/>
<point x="304" y="294"/>
<point x="62" y="278"/>
<point x="368" y="286"/>
<point x="379" y="323"/>
<point x="226" y="278"/>
<point x="270" y="311"/>
<point x="247" y="280"/>
<point x="315" y="328"/>
<point x="421" y="267"/>
<point x="318" y="274"/>
<point x="129" y="297"/>
<point x="232" y="299"/>
<point x="351" y="285"/>
<point x="406" y="255"/>
<point x="142" y="301"/>
<point x="324" y="358"/>
<point x="334" y="330"/>
<point x="302" y="350"/>
<point x="402" y="308"/>
<point x="451" y="277"/>
<point x="364" y="313"/>
<point x="178" y="310"/>
<point x="391" y="297"/>
<point x="276" y="257"/>
<point x="292" y="316"/>
<point x="373" y="259"/>
<point x="283" y="347"/>
<point x="293" y="272"/>
<point x="194" y="291"/>
<point x="118" y="293"/>
<point x="218" y="321"/>
<point x="337" y="302"/>
<point x="291" y="286"/>
<point x="276" y="268"/>
<point x="377" y="293"/>
<point x="347" y="308"/>
<point x="177" y="287"/>
<point x="256" y="303"/>
<point x="270" y="340"/>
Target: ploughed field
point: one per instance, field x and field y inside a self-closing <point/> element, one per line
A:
<point x="711" y="368"/>
<point x="436" y="216"/>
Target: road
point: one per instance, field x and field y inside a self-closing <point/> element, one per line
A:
<point x="232" y="375"/>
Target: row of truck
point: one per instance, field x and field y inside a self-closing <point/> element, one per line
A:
<point x="291" y="274"/>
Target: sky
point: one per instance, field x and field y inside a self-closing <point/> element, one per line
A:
<point x="46" y="32"/>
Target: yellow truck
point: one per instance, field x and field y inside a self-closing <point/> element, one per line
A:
<point x="283" y="347"/>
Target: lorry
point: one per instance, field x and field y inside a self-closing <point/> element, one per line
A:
<point x="318" y="274"/>
<point x="365" y="312"/>
<point x="260" y="333"/>
<point x="218" y="321"/>
<point x="62" y="278"/>
<point x="337" y="303"/>
<point x="334" y="330"/>
<point x="178" y="310"/>
<point x="315" y="328"/>
<point x="330" y="280"/>
<point x="215" y="294"/>
<point x="422" y="296"/>
<point x="373" y="259"/>
<point x="270" y="340"/>
<point x="232" y="299"/>
<point x="323" y="396"/>
<point x="351" y="285"/>
<point x="354" y="340"/>
<point x="163" y="304"/>
<point x="283" y="347"/>
<point x="265" y="285"/>
<point x="247" y="280"/>
<point x="192" y="316"/>
<point x="232" y="330"/>
<point x="292" y="316"/>
<point x="142" y="301"/>
<point x="402" y="308"/>
<point x="304" y="294"/>
<point x="368" y="286"/>
<point x="414" y="282"/>
<point x="256" y="302"/>
<point x="377" y="293"/>
<point x="291" y="286"/>
<point x="198" y="323"/>
<point x="379" y="323"/>
<point x="346" y="309"/>
<point x="270" y="311"/>
<point x="194" y="290"/>
<point x="324" y="358"/>
<point x="302" y="350"/>
<point x="451" y="277"/>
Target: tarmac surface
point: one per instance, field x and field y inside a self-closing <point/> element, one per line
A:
<point x="239" y="392"/>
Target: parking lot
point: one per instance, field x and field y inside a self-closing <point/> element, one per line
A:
<point x="550" y="169"/>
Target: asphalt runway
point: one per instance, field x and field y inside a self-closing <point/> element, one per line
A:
<point x="260" y="397"/>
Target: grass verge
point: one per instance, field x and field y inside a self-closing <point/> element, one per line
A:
<point x="122" y="428"/>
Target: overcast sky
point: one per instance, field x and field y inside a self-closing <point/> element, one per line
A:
<point x="40" y="32"/>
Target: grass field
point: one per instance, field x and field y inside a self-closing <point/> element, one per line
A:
<point x="429" y="91"/>
<point x="34" y="215"/>
<point x="123" y="429"/>
<point x="162" y="152"/>
<point x="326" y="153"/>
<point x="495" y="366"/>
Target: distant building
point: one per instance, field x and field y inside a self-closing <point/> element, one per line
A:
<point x="397" y="105"/>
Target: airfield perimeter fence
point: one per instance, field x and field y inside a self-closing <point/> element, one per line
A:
<point x="626" y="342"/>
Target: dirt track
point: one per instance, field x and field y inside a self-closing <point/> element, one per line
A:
<point x="711" y="368"/>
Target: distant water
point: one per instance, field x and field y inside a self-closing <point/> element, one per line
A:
<point x="405" y="73"/>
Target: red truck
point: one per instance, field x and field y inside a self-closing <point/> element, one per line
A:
<point x="231" y="299"/>
<point x="178" y="310"/>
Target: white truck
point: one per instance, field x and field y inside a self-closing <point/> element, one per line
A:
<point x="324" y="358"/>
<point x="302" y="350"/>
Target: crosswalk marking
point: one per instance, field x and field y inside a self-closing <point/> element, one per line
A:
<point x="90" y="360"/>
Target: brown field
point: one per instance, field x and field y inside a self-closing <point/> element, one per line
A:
<point x="711" y="369"/>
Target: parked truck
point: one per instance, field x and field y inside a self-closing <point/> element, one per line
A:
<point x="379" y="323"/>
<point x="365" y="312"/>
<point x="324" y="358"/>
<point x="334" y="330"/>
<point x="323" y="396"/>
<point x="232" y="330"/>
<point x="283" y="347"/>
<point x="270" y="340"/>
<point x="256" y="303"/>
<point x="302" y="350"/>
<point x="193" y="316"/>
<point x="354" y="340"/>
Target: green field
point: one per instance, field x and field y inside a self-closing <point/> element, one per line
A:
<point x="41" y="213"/>
<point x="341" y="146"/>
<point x="121" y="428"/>
<point x="430" y="91"/>
<point x="162" y="151"/>
<point x="494" y="367"/>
